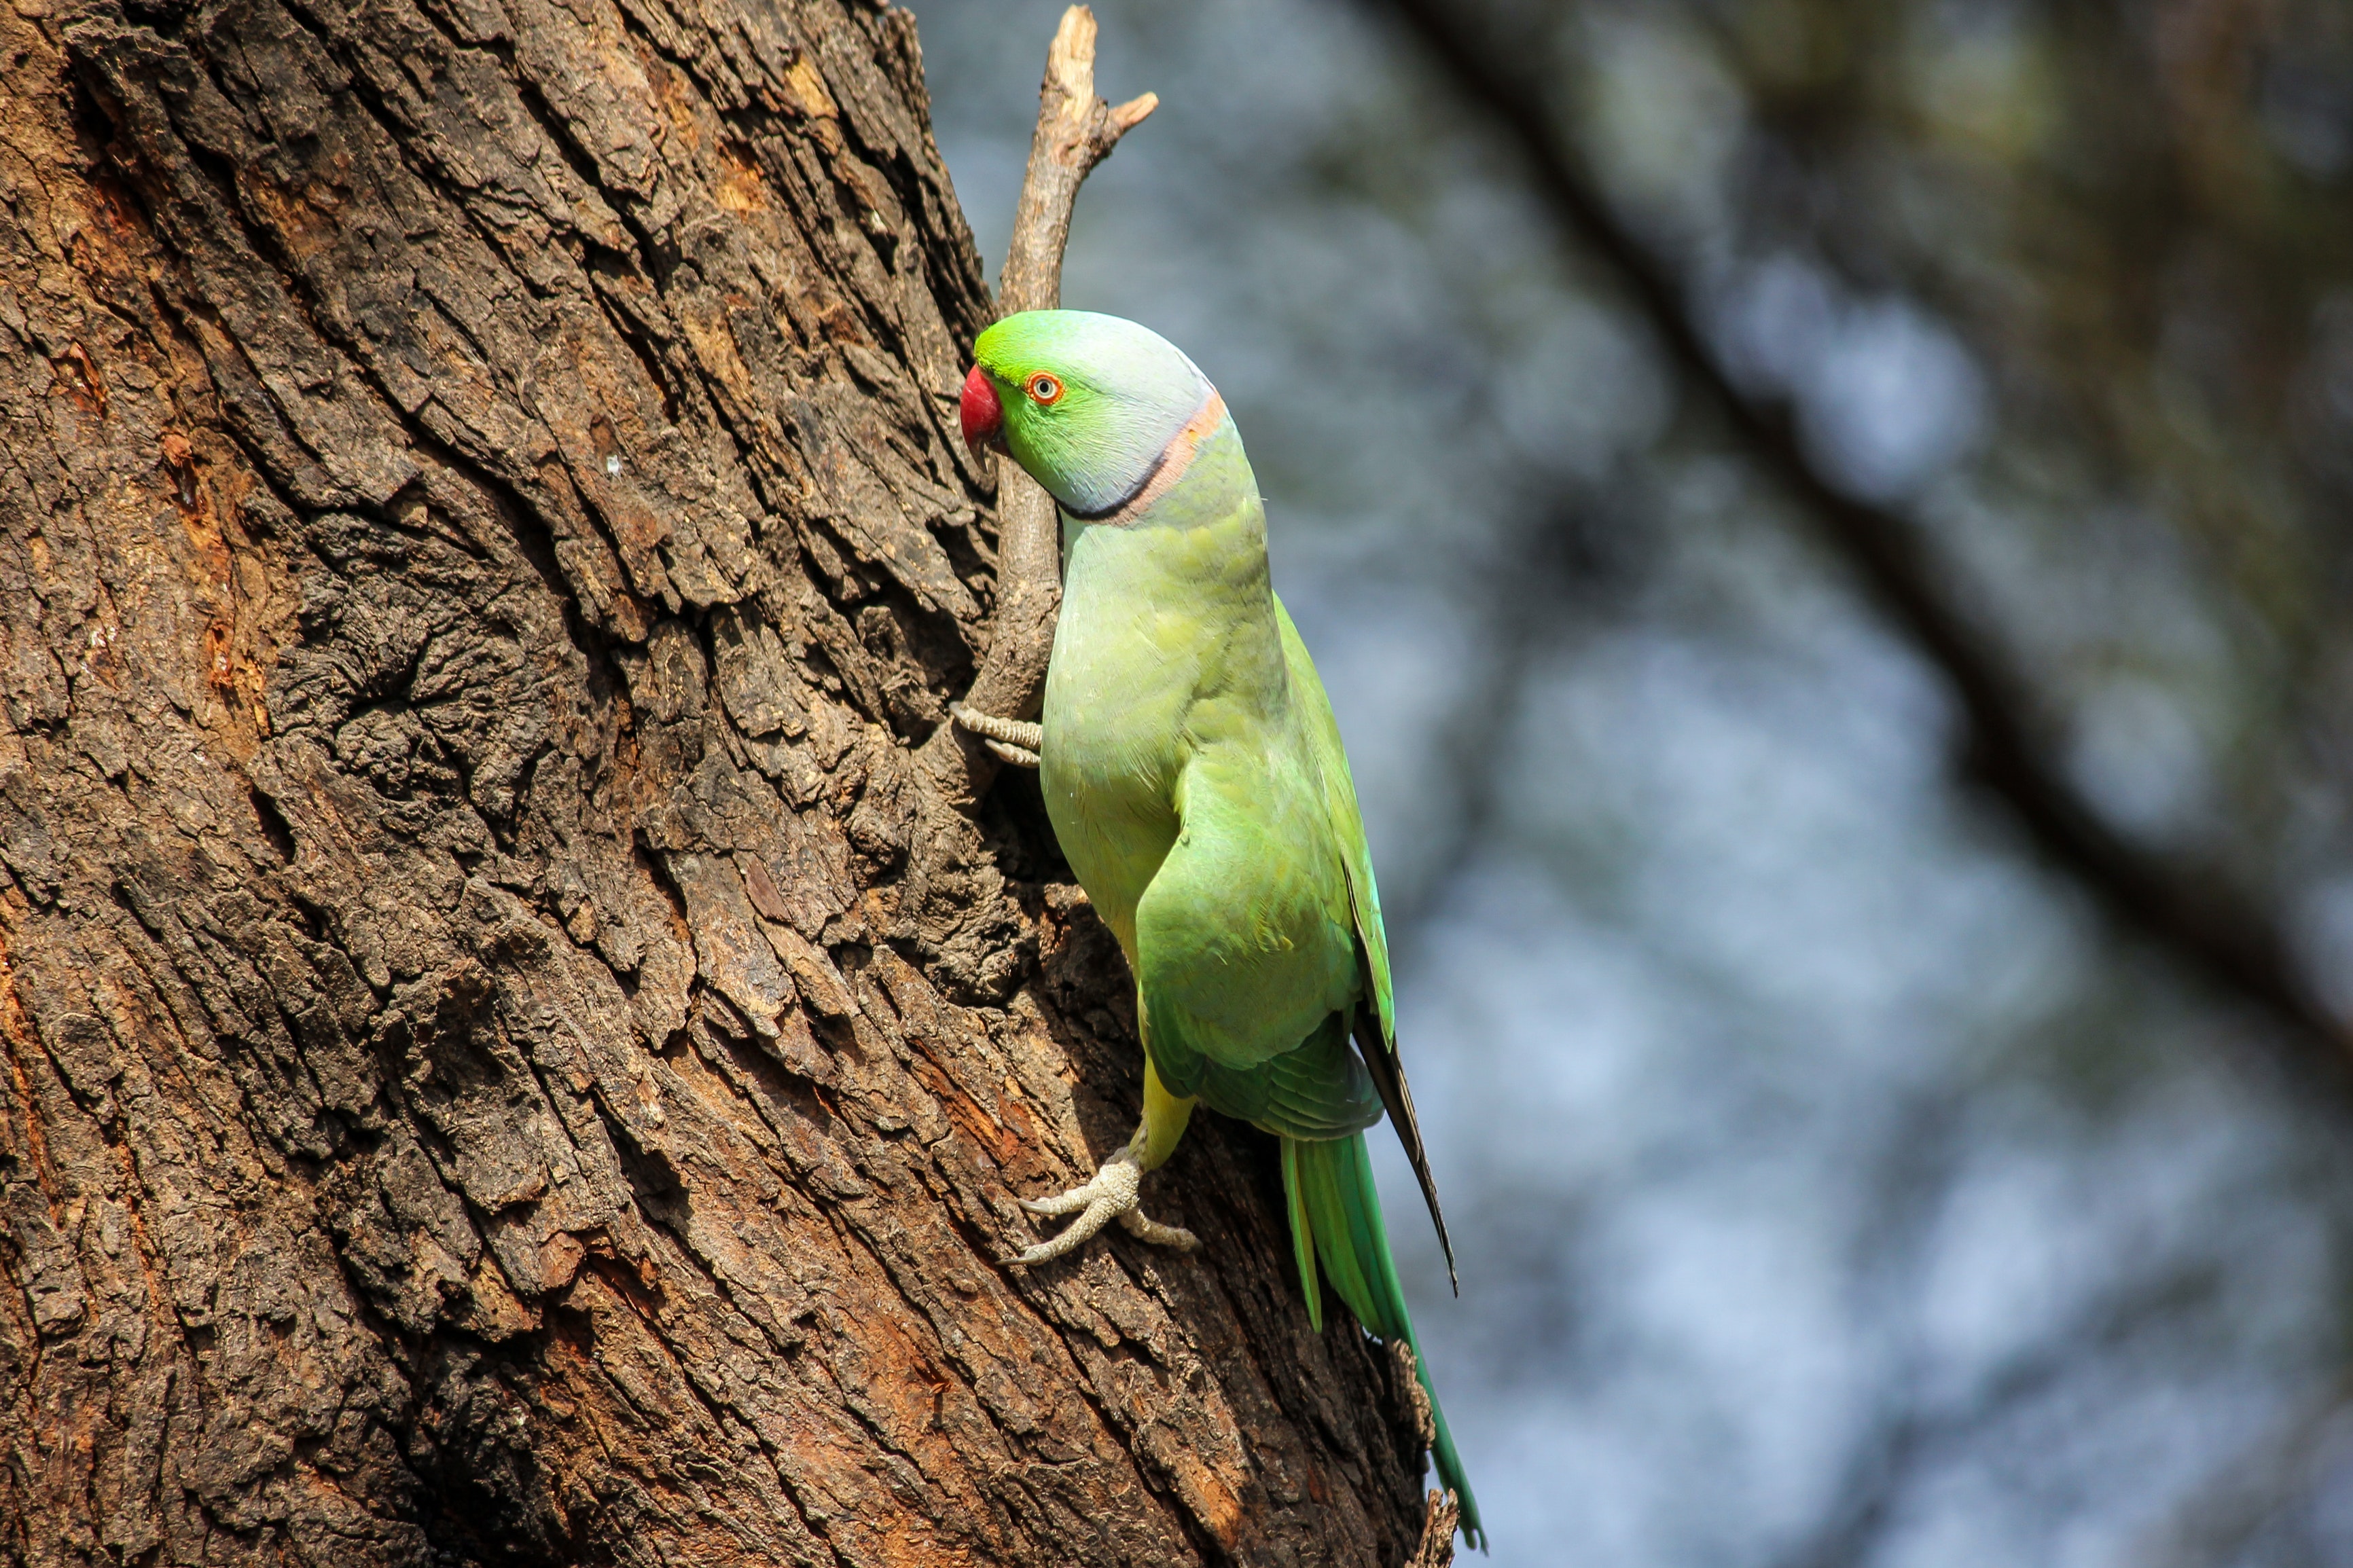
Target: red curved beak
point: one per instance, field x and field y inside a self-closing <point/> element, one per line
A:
<point x="983" y="416"/>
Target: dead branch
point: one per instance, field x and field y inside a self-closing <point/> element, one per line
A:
<point x="1076" y="131"/>
<point x="2191" y="911"/>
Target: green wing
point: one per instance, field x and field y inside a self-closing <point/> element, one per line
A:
<point x="1338" y="790"/>
<point x="1259" y="943"/>
<point x="1319" y="1092"/>
<point x="1246" y="950"/>
<point x="1375" y="1026"/>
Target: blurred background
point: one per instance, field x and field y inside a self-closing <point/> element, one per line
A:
<point x="1843" y="1171"/>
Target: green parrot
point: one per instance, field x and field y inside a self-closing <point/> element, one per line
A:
<point x="1194" y="777"/>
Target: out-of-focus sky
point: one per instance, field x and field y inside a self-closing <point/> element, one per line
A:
<point x="1832" y="1183"/>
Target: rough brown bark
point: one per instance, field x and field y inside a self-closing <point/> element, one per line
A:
<point x="503" y="1062"/>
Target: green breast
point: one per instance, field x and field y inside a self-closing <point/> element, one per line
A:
<point x="1166" y="639"/>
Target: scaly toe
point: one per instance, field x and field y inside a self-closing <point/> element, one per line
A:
<point x="1071" y="1202"/>
<point x="1135" y="1222"/>
<point x="1109" y="1193"/>
<point x="1096" y="1216"/>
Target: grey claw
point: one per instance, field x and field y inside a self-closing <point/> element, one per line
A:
<point x="1060" y="1203"/>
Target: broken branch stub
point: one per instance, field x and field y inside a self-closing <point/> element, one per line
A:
<point x="1076" y="131"/>
<point x="1442" y="1517"/>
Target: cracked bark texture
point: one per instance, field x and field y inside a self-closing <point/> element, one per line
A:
<point x="506" y="1061"/>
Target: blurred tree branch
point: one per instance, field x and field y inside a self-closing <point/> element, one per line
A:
<point x="2191" y="910"/>
<point x="1544" y="540"/>
<point x="1897" y="1447"/>
<point x="2285" y="1470"/>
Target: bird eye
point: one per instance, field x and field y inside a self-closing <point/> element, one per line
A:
<point x="1044" y="389"/>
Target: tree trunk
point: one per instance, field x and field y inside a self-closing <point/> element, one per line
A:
<point x="507" y="1062"/>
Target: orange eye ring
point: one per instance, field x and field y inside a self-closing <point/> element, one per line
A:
<point x="1044" y="390"/>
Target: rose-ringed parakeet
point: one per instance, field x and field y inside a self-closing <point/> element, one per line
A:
<point x="1194" y="777"/>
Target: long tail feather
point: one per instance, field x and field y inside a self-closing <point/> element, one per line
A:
<point x="1328" y="1187"/>
<point x="1302" y="1233"/>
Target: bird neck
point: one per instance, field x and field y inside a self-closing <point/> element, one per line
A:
<point x="1203" y="478"/>
<point x="1206" y="448"/>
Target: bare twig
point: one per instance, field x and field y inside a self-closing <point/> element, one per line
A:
<point x="1076" y="131"/>
<point x="2191" y="910"/>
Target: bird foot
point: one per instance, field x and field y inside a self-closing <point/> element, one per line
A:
<point x="1110" y="1195"/>
<point x="1010" y="738"/>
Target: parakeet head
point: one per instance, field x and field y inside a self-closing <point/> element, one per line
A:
<point x="1086" y="403"/>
